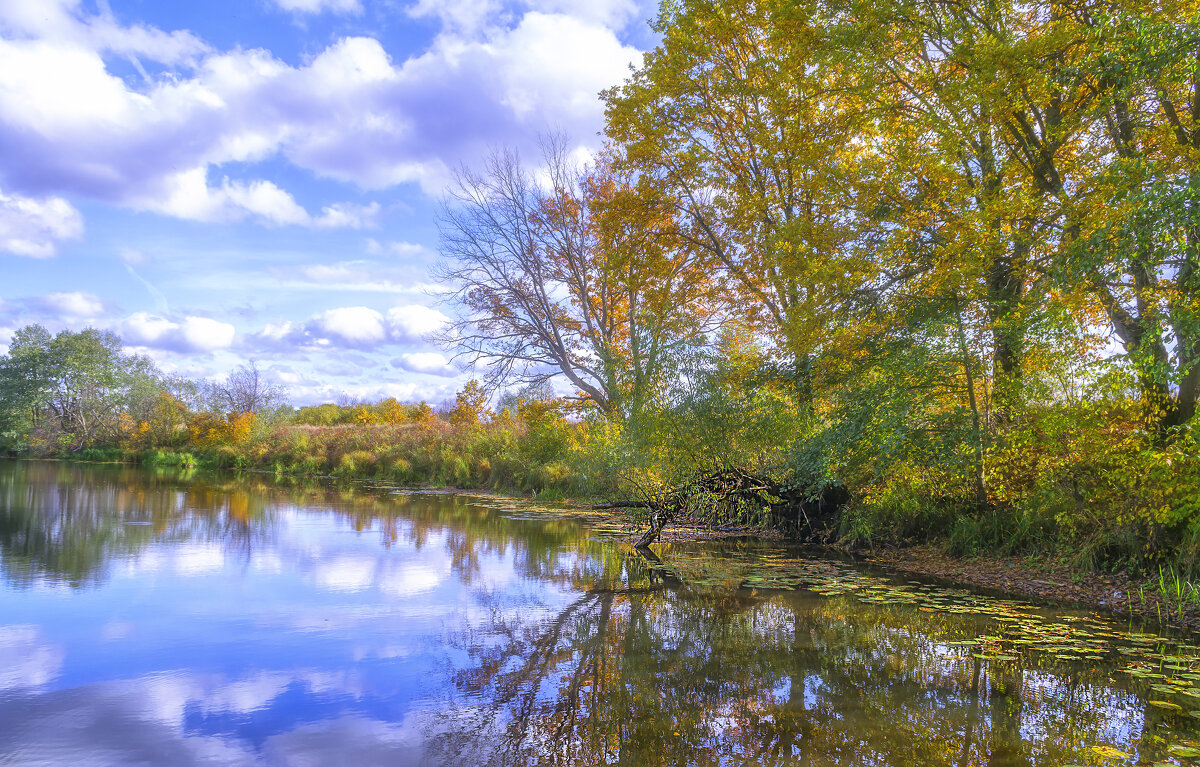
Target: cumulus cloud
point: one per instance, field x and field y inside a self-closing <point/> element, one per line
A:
<point x="429" y="363"/>
<point x="69" y="126"/>
<point x="188" y="195"/>
<point x="463" y="16"/>
<point x="347" y="215"/>
<point x="63" y="21"/>
<point x="352" y="325"/>
<point x="34" y="227"/>
<point x="191" y="334"/>
<point x="74" y="304"/>
<point x="414" y="322"/>
<point x="357" y="327"/>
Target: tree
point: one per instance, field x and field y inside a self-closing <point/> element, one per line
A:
<point x="470" y="405"/>
<point x="567" y="279"/>
<point x="744" y="118"/>
<point x="72" y="389"/>
<point x="25" y="380"/>
<point x="1093" y="122"/>
<point x="1137" y="244"/>
<point x="247" y="390"/>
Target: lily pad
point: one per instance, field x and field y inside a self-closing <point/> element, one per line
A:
<point x="1108" y="752"/>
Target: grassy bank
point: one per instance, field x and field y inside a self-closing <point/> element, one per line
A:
<point x="1083" y="504"/>
<point x="540" y="454"/>
<point x="1082" y="478"/>
<point x="1085" y="483"/>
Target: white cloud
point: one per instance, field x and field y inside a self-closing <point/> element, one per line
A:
<point x="189" y="196"/>
<point x="32" y="227"/>
<point x="281" y="333"/>
<point x="462" y="16"/>
<point x="70" y="126"/>
<point x="552" y="59"/>
<point x="358" y="327"/>
<point x="405" y="391"/>
<point x="351" y="276"/>
<point x="414" y="322"/>
<point x="265" y="200"/>
<point x="74" y="304"/>
<point x="429" y="363"/>
<point x="611" y="13"/>
<point x="399" y="249"/>
<point x="192" y="334"/>
<point x="63" y="21"/>
<point x="347" y="215"/>
<point x="204" y="334"/>
<point x="473" y="16"/>
<point x="320" y="6"/>
<point x="353" y="325"/>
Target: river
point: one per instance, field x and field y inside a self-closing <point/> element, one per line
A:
<point x="180" y="618"/>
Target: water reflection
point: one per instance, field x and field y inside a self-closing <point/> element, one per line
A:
<point x="186" y="619"/>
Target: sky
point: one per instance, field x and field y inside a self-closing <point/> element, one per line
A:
<point x="236" y="180"/>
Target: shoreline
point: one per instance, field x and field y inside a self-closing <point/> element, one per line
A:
<point x="1115" y="594"/>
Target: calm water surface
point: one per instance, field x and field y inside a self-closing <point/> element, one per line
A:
<point x="167" y="618"/>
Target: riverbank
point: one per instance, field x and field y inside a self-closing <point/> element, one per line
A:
<point x="1157" y="600"/>
<point x="1161" y="602"/>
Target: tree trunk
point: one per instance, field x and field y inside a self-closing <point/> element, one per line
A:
<point x="981" y="495"/>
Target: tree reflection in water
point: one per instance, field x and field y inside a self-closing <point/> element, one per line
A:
<point x="637" y="670"/>
<point x="581" y="653"/>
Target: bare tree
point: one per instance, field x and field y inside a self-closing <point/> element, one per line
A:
<point x="247" y="391"/>
<point x="551" y="287"/>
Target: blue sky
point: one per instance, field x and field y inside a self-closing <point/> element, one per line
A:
<point x="225" y="181"/>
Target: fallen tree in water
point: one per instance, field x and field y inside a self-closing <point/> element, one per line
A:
<point x="730" y="494"/>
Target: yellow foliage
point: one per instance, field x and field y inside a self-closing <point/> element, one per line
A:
<point x="392" y="412"/>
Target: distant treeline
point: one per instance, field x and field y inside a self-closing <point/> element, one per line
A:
<point x="76" y="394"/>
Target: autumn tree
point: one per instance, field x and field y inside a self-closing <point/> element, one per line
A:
<point x="569" y="278"/>
<point x="470" y="405"/>
<point x="1137" y="239"/>
<point x="1090" y="113"/>
<point x="742" y="118"/>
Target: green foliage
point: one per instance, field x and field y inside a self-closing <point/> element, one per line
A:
<point x="103" y="455"/>
<point x="66" y="392"/>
